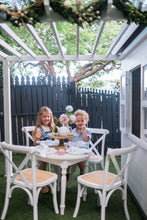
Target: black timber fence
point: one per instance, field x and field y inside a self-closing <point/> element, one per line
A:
<point x="29" y="94"/>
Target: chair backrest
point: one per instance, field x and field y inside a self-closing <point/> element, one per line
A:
<point x="97" y="142"/>
<point x="121" y="171"/>
<point x="28" y="133"/>
<point x="29" y="152"/>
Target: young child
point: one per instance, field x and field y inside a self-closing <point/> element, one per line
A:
<point x="81" y="131"/>
<point x="44" y="126"/>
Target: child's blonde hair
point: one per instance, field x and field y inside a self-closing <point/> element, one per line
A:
<point x="82" y="112"/>
<point x="51" y="123"/>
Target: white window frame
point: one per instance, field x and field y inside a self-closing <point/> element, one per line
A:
<point x="143" y="104"/>
<point x="124" y="103"/>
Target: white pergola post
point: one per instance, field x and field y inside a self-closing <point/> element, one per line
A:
<point x="7" y="104"/>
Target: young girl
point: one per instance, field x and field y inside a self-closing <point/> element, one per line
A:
<point x="44" y="126"/>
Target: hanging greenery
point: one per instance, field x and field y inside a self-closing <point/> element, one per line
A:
<point x="78" y="13"/>
<point x="130" y="12"/>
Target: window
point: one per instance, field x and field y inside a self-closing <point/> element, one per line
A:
<point x="133" y="102"/>
<point x="136" y="101"/>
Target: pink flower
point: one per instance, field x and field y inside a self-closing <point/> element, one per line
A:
<point x="64" y="119"/>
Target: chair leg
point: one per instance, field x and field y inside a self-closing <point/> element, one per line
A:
<point x="58" y="171"/>
<point x="103" y="205"/>
<point x="94" y="167"/>
<point x="101" y="165"/>
<point x="54" y="186"/>
<point x="5" y="208"/>
<point x="98" y="200"/>
<point x="78" y="201"/>
<point x="90" y="167"/>
<point x="35" y="204"/>
<point x="6" y="202"/>
<point x="73" y="169"/>
<point x="125" y="204"/>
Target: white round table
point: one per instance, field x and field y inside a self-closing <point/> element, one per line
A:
<point x="64" y="161"/>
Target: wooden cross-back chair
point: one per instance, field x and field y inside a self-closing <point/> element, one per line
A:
<point x="31" y="179"/>
<point x="97" y="147"/>
<point x="105" y="183"/>
<point x="28" y="130"/>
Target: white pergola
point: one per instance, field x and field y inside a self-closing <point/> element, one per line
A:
<point x="52" y="17"/>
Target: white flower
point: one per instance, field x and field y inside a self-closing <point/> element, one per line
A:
<point x="72" y="118"/>
<point x="69" y="108"/>
<point x="67" y="4"/>
<point x="3" y="7"/>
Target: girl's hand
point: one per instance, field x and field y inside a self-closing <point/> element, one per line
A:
<point x="39" y="134"/>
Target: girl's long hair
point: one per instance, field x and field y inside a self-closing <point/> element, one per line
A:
<point x="51" y="124"/>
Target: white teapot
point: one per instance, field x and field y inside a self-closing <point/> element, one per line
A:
<point x="63" y="131"/>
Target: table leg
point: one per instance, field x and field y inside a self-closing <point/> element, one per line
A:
<point x="63" y="191"/>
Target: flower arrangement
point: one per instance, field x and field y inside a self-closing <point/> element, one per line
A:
<point x="66" y="118"/>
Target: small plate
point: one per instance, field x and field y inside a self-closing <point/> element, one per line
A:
<point x="51" y="151"/>
<point x="49" y="142"/>
<point x="78" y="144"/>
<point x="76" y="150"/>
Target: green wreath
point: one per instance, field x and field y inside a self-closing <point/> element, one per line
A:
<point x="73" y="13"/>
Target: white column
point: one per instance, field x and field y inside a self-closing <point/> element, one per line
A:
<point x="7" y="105"/>
<point x="7" y="102"/>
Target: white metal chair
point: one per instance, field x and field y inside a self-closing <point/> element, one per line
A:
<point x="31" y="180"/>
<point x="105" y="182"/>
<point x="97" y="147"/>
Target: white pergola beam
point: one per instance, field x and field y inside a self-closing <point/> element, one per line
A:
<point x="3" y="55"/>
<point x="112" y="14"/>
<point x="37" y="38"/>
<point x="65" y="58"/>
<point x="54" y="29"/>
<point x="118" y="37"/>
<point x="9" y="48"/>
<point x="100" y="30"/>
<point x="141" y="37"/>
<point x="11" y="33"/>
<point x="46" y="6"/>
<point x="131" y="28"/>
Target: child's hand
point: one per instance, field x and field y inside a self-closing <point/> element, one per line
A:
<point x="39" y="134"/>
<point x="83" y="128"/>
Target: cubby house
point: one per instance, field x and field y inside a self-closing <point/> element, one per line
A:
<point x="130" y="47"/>
<point x="133" y="106"/>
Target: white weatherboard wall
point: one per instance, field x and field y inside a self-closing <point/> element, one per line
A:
<point x="137" y="178"/>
